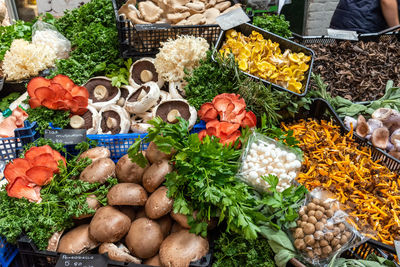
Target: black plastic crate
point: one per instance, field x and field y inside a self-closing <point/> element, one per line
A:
<point x="135" y="42"/>
<point x="30" y="256"/>
<point x="247" y="28"/>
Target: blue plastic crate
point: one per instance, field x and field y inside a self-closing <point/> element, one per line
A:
<point x="10" y="146"/>
<point x="7" y="253"/>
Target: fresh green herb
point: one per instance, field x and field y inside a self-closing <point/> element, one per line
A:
<point x="233" y="250"/>
<point x="204" y="179"/>
<point x="6" y="101"/>
<point x="281" y="208"/>
<point x="18" y="30"/>
<point x="120" y="76"/>
<point x="372" y="260"/>
<point x="274" y="23"/>
<point x="43" y="116"/>
<point x="62" y="199"/>
<point x="94" y="38"/>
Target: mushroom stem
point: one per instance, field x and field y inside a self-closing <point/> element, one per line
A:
<point x="171" y="117"/>
<point x="146" y="76"/>
<point x="100" y="92"/>
<point x="77" y="122"/>
<point x="111" y="123"/>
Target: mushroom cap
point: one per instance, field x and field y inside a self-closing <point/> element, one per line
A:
<point x="118" y="254"/>
<point x="382" y="114"/>
<point x="99" y="171"/>
<point x="362" y="126"/>
<point x="223" y="5"/>
<point x="186" y="111"/>
<point x="124" y="9"/>
<point x="158" y="204"/>
<point x="146" y="63"/>
<point x="54" y="241"/>
<point x="128" y="211"/>
<point x="150" y="11"/>
<point x="114" y="116"/>
<point x="109" y="225"/>
<point x="155" y="175"/>
<point x="127" y="194"/>
<point x="144" y="238"/>
<point x="395" y="137"/>
<point x="196" y="19"/>
<point x="165" y="223"/>
<point x="196" y="7"/>
<point x="94" y="116"/>
<point x="374" y="124"/>
<point x="238" y="5"/>
<point x="143" y="98"/>
<point x="77" y="241"/>
<point x="176" y="17"/>
<point x="110" y="98"/>
<point x="93" y="203"/>
<point x="181" y="219"/>
<point x="96" y="153"/>
<point x="154" y="155"/>
<point x="153" y="261"/>
<point x="211" y="14"/>
<point x="181" y="248"/>
<point x="128" y="171"/>
<point x="176" y="90"/>
<point x="380" y="137"/>
<point x="126" y="90"/>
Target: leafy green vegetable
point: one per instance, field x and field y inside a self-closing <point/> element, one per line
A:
<point x="274" y="23"/>
<point x="94" y="38"/>
<point x="233" y="250"/>
<point x="120" y="76"/>
<point x="43" y="116"/>
<point x="6" y="101"/>
<point x="18" y="30"/>
<point x="62" y="199"/>
<point x="204" y="179"/>
<point x="372" y="260"/>
<point x="281" y="208"/>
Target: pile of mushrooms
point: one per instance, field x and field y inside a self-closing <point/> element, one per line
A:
<point x="176" y="12"/>
<point x="383" y="129"/>
<point x="138" y="224"/>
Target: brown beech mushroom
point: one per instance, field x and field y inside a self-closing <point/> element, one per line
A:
<point x="154" y="155"/>
<point x="143" y="71"/>
<point x="128" y="211"/>
<point x="126" y="90"/>
<point x="149" y="11"/>
<point x="93" y="203"/>
<point x="169" y="110"/>
<point x="165" y="225"/>
<point x="143" y="98"/>
<point x="362" y="126"/>
<point x="128" y="171"/>
<point x="144" y="238"/>
<point x="154" y="176"/>
<point x="99" y="171"/>
<point x="77" y="241"/>
<point x="54" y="240"/>
<point x="127" y="194"/>
<point x="158" y="204"/>
<point x="181" y="248"/>
<point x="211" y="15"/>
<point x="109" y="225"/>
<point x="118" y="253"/>
<point x="101" y="92"/>
<point x="153" y="261"/>
<point x="96" y="153"/>
<point x="113" y="120"/>
<point x="380" y="138"/>
<point x="88" y="121"/>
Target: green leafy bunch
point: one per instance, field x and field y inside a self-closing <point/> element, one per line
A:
<point x="274" y="23"/>
<point x="203" y="179"/>
<point x="6" y="101"/>
<point x="234" y="250"/>
<point x="19" y="30"/>
<point x="43" y="116"/>
<point x="62" y="199"/>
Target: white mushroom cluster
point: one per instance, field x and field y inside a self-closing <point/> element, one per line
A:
<point x="269" y="159"/>
<point x="176" y="12"/>
<point x="382" y="129"/>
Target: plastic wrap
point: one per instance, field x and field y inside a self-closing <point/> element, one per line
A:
<point x="263" y="156"/>
<point x="47" y="34"/>
<point x="323" y="230"/>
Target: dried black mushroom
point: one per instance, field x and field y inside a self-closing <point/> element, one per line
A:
<point x="169" y="110"/>
<point x="143" y="71"/>
<point x="113" y="120"/>
<point x="101" y="92"/>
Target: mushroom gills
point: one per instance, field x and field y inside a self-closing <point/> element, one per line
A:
<point x="101" y="92"/>
<point x="143" y="71"/>
<point x="169" y="110"/>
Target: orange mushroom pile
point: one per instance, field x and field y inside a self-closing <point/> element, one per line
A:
<point x="25" y="176"/>
<point x="231" y="110"/>
<point x="59" y="93"/>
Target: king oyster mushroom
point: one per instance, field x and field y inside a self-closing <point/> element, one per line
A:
<point x="143" y="71"/>
<point x="113" y="120"/>
<point x="101" y="92"/>
<point x="88" y="121"/>
<point x="176" y="90"/>
<point x="170" y="109"/>
<point x="143" y="98"/>
<point x="126" y="90"/>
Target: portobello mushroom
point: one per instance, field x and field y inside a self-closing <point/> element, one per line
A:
<point x="113" y="120"/>
<point x="170" y="109"/>
<point x="143" y="71"/>
<point x="101" y="92"/>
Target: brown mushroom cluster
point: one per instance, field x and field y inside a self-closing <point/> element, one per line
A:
<point x="316" y="234"/>
<point x="138" y="224"/>
<point x="176" y="12"/>
<point x="382" y="129"/>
